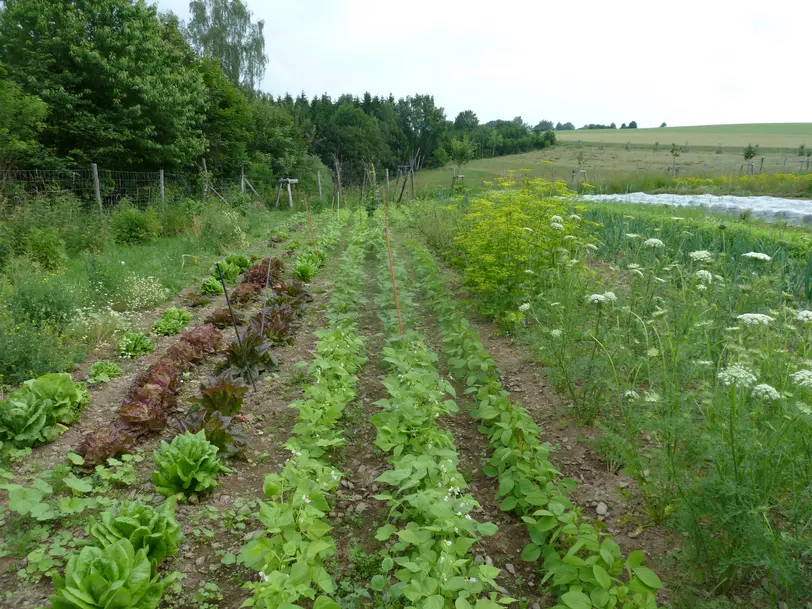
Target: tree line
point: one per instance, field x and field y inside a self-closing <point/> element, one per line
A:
<point x="118" y="83"/>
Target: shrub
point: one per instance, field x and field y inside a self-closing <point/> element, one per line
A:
<point x="221" y="228"/>
<point x="132" y="226"/>
<point x="113" y="576"/>
<point x="102" y="372"/>
<point x="211" y="286"/>
<point x="172" y="321"/>
<point x="42" y="300"/>
<point x="154" y="530"/>
<point x="43" y="246"/>
<point x="134" y="344"/>
<point x="187" y="467"/>
<point x="27" y="350"/>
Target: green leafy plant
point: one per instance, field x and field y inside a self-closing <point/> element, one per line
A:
<point x="222" y="394"/>
<point x="24" y="420"/>
<point x="103" y="371"/>
<point x="211" y="286"/>
<point x="152" y="529"/>
<point x="252" y="359"/>
<point x="67" y="398"/>
<point x="132" y="226"/>
<point x="113" y="576"/>
<point x="230" y="271"/>
<point x="222" y="431"/>
<point x="238" y="260"/>
<point x="305" y="271"/>
<point x="172" y="321"/>
<point x="187" y="467"/>
<point x="133" y="345"/>
<point x="195" y="299"/>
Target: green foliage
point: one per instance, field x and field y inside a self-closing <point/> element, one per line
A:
<point x="44" y="246"/>
<point x="249" y="361"/>
<point x="220" y="430"/>
<point x="211" y="287"/>
<point x="304" y="270"/>
<point x="131" y="226"/>
<point x="230" y="271"/>
<point x="103" y="371"/>
<point x="67" y="399"/>
<point x="21" y="118"/>
<point x="131" y="96"/>
<point x="238" y="260"/>
<point x="24" y="420"/>
<point x="46" y="301"/>
<point x="187" y="467"/>
<point x="461" y="151"/>
<point x="113" y="576"/>
<point x="172" y="321"/>
<point x="152" y="529"/>
<point x="133" y="345"/>
<point x="749" y="152"/>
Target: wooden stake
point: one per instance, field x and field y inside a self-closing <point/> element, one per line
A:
<point x="310" y="224"/>
<point x="278" y="194"/>
<point x="290" y="196"/>
<point x="318" y="178"/>
<point x="392" y="266"/>
<point x="242" y="178"/>
<point x="205" y="179"/>
<point x="161" y="183"/>
<point x="97" y="187"/>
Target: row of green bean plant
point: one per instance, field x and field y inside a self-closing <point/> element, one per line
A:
<point x="291" y="552"/>
<point x="430" y="526"/>
<point x="583" y="565"/>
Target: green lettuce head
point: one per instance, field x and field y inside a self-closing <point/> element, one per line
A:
<point x="187" y="467"/>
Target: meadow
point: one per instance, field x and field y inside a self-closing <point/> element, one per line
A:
<point x="648" y="165"/>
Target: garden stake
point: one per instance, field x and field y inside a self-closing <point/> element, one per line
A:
<point x="267" y="281"/>
<point x="234" y="323"/>
<point x="391" y="266"/>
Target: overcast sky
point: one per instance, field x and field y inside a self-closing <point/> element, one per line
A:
<point x="687" y="62"/>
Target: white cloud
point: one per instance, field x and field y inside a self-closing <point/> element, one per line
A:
<point x="687" y="63"/>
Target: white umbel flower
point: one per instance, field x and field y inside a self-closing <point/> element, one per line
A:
<point x="737" y="375"/>
<point x="802" y="378"/>
<point x="755" y="319"/>
<point x="524" y="307"/>
<point x="757" y="256"/>
<point x="632" y="395"/>
<point x="575" y="217"/>
<point x="653" y="243"/>
<point x="701" y="256"/>
<point x="704" y="276"/>
<point x="556" y="333"/>
<point x="601" y="298"/>
<point x="765" y="392"/>
<point x="527" y="229"/>
<point x="557" y="226"/>
<point x="592" y="246"/>
<point x="558" y="219"/>
<point x="632" y="235"/>
<point x="804" y="316"/>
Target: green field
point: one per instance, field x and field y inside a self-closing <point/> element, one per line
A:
<point x="767" y="135"/>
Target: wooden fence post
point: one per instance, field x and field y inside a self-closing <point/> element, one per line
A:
<point x="205" y="179"/>
<point x="761" y="169"/>
<point x="163" y="187"/>
<point x="97" y="187"/>
<point x="242" y="179"/>
<point x="318" y="178"/>
<point x="387" y="178"/>
<point x="290" y="195"/>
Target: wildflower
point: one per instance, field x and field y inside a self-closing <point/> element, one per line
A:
<point x="306" y="499"/>
<point x="653" y="243"/>
<point x="700" y="256"/>
<point x="757" y="256"/>
<point x="524" y="307"/>
<point x="653" y="352"/>
<point x="263" y="577"/>
<point x="802" y="378"/>
<point x="632" y="235"/>
<point x="804" y="408"/>
<point x="556" y="226"/>
<point x="765" y="392"/>
<point x="601" y="298"/>
<point x="472" y="580"/>
<point x="593" y="247"/>
<point x="632" y="395"/>
<point x="704" y="276"/>
<point x="755" y="319"/>
<point x="558" y="219"/>
<point x="701" y="287"/>
<point x="122" y="262"/>
<point x="703" y="362"/>
<point x="804" y="316"/>
<point x="652" y="397"/>
<point x="736" y="375"/>
<point x="575" y="217"/>
<point x="555" y="333"/>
